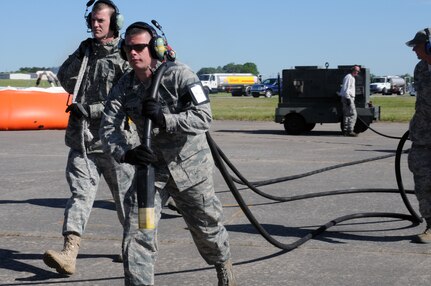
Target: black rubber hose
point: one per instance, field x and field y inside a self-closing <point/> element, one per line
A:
<point x="293" y="177"/>
<point x="228" y="179"/>
<point x="375" y="131"/>
<point x="145" y="177"/>
<point x="253" y="186"/>
<point x="400" y="179"/>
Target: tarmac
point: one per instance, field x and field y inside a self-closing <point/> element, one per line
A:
<point x="361" y="251"/>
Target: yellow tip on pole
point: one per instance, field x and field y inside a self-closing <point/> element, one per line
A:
<point x="146" y="218"/>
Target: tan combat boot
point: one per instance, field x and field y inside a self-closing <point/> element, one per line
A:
<point x="65" y="260"/>
<point x="424" y="237"/>
<point x="225" y="274"/>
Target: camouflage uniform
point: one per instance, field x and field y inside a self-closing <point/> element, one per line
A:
<point x="184" y="169"/>
<point x="348" y="101"/>
<point x="83" y="171"/>
<point x="419" y="158"/>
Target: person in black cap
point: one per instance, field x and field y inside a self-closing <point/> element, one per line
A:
<point x="419" y="158"/>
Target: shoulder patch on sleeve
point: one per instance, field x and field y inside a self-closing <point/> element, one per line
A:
<point x="197" y="93"/>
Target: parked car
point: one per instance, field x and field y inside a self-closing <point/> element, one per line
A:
<point x="267" y="88"/>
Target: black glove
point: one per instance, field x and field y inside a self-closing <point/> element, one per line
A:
<point x="86" y="44"/>
<point x="348" y="101"/>
<point x="141" y="155"/>
<point x="152" y="109"/>
<point x="78" y="110"/>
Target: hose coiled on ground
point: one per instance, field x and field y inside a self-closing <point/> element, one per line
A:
<point x="220" y="160"/>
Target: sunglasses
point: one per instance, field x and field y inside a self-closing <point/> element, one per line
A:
<point x="138" y="47"/>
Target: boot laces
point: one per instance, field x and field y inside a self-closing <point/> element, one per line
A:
<point x="68" y="246"/>
<point x="222" y="275"/>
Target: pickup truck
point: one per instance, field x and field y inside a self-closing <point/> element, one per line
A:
<point x="267" y="88"/>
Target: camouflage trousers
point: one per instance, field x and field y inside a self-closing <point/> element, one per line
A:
<point x="202" y="212"/>
<point x="419" y="160"/>
<point x="349" y="114"/>
<point x="83" y="176"/>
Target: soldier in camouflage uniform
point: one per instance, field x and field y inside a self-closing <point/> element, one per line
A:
<point x="87" y="161"/>
<point x="179" y="153"/>
<point x="419" y="158"/>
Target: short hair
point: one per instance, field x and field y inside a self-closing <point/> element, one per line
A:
<point x="102" y="5"/>
<point x="354" y="68"/>
<point x="137" y="30"/>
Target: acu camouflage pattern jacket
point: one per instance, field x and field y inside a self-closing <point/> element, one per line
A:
<point x="104" y="69"/>
<point x="420" y="125"/>
<point x="182" y="148"/>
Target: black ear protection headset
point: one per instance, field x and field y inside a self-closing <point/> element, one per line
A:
<point x="158" y="45"/>
<point x="116" y="21"/>
<point x="428" y="42"/>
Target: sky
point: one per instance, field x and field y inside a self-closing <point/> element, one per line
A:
<point x="273" y="34"/>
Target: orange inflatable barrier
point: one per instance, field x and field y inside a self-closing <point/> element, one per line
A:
<point x="33" y="109"/>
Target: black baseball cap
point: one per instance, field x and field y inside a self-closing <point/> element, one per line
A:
<point x="421" y="36"/>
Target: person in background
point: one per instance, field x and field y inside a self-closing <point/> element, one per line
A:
<point x="347" y="93"/>
<point x="419" y="158"/>
<point x="179" y="152"/>
<point x="50" y="76"/>
<point x="88" y="74"/>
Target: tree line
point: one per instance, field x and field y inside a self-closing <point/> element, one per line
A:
<point x="231" y="68"/>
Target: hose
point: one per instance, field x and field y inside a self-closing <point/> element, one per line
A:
<point x="145" y="174"/>
<point x="375" y="131"/>
<point x="400" y="179"/>
<point x="220" y="160"/>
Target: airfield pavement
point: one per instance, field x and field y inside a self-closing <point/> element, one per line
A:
<point x="362" y="251"/>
